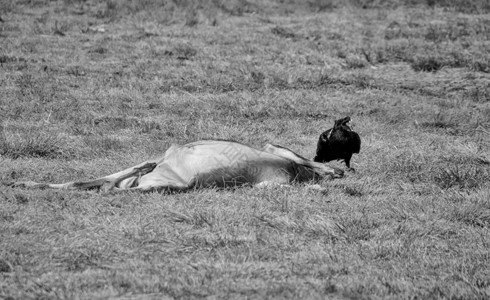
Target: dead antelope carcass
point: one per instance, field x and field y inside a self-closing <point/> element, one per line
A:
<point x="208" y="163"/>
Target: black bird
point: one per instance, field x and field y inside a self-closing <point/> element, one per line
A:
<point x="337" y="143"/>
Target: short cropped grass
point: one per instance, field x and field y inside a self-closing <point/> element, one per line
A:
<point x="88" y="88"/>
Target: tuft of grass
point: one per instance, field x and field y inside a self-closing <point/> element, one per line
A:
<point x="478" y="94"/>
<point x="355" y="62"/>
<point x="109" y="10"/>
<point x="323" y="5"/>
<point x="103" y="143"/>
<point x="283" y="32"/>
<point x="98" y="50"/>
<point x="474" y="215"/>
<point x="89" y="124"/>
<point x="428" y="63"/>
<point x="5" y="266"/>
<point x="462" y="177"/>
<point x="312" y="226"/>
<point x="31" y="143"/>
<point x="81" y="258"/>
<point x="393" y="31"/>
<point x="113" y="123"/>
<point x="353" y="191"/>
<point x="453" y="122"/>
<point x="408" y="166"/>
<point x="435" y="62"/>
<point x="480" y="65"/>
<point x="440" y="120"/>
<point x="37" y="89"/>
<point x="469" y="7"/>
<point x="182" y="51"/>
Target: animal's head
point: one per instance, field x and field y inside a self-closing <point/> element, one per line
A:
<point x="342" y="124"/>
<point x="339" y="126"/>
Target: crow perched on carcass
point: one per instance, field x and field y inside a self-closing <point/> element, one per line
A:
<point x="339" y="142"/>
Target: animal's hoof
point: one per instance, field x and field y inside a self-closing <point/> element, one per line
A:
<point x="19" y="184"/>
<point x="147" y="168"/>
<point x="107" y="187"/>
<point x="338" y="173"/>
<point x="26" y="184"/>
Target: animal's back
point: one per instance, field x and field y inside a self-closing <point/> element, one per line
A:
<point x="219" y="163"/>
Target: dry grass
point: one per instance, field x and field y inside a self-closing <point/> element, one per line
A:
<point x="90" y="87"/>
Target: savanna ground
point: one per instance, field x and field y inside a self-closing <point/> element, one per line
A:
<point x="91" y="87"/>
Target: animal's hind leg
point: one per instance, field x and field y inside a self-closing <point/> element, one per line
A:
<point x="135" y="172"/>
<point x="110" y="180"/>
<point x="27" y="184"/>
<point x="164" y="178"/>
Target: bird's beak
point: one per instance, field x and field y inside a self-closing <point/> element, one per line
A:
<point x="350" y="124"/>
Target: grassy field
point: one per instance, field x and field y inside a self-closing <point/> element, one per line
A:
<point x="88" y="88"/>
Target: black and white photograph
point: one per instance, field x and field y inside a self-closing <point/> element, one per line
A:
<point x="244" y="149"/>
